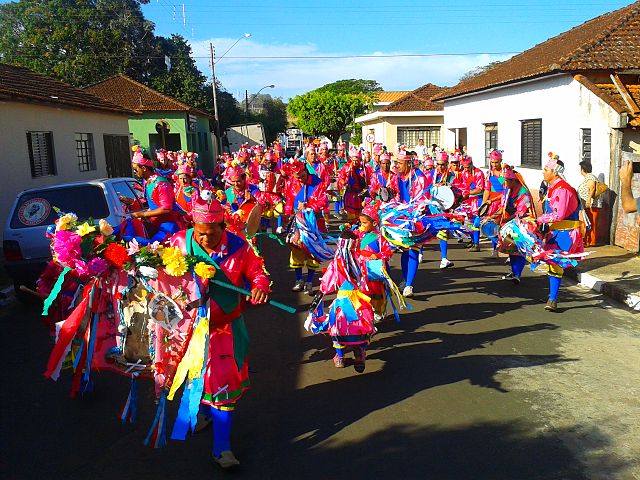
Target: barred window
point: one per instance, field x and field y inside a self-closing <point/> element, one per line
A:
<point x="531" y="143"/>
<point x="409" y="136"/>
<point x="84" y="152"/>
<point x="585" y="144"/>
<point x="41" y="154"/>
<point x="490" y="140"/>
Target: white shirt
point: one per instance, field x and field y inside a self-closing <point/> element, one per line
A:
<point x="420" y="151"/>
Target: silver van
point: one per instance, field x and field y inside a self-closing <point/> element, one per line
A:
<point x="25" y="246"/>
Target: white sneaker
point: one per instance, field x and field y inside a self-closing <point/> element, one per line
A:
<point x="408" y="291"/>
<point x="279" y="230"/>
<point x="298" y="286"/>
<point x="420" y="258"/>
<point x="444" y="263"/>
<point x="308" y="288"/>
<point x="269" y="230"/>
<point x="377" y="317"/>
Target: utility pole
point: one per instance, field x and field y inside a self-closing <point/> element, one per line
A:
<point x="215" y="101"/>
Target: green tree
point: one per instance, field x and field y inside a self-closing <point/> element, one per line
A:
<point x="183" y="81"/>
<point x="478" y="70"/>
<point x="327" y="113"/>
<point x="273" y="117"/>
<point x="79" y="41"/>
<point x="352" y="86"/>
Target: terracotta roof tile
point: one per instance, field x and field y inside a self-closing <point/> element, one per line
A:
<point x="610" y="42"/>
<point x="391" y="96"/>
<point x="23" y="85"/>
<point x="128" y="93"/>
<point x="417" y="100"/>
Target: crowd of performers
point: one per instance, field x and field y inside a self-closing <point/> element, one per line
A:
<point x="162" y="295"/>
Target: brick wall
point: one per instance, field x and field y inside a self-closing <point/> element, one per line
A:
<point x="628" y="225"/>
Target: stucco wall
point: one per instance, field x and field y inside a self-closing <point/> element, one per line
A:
<point x="564" y="106"/>
<point x="386" y="129"/>
<point x="16" y="119"/>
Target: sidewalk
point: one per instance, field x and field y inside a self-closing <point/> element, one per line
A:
<point x="611" y="271"/>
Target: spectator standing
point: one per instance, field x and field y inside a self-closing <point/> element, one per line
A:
<point x="592" y="203"/>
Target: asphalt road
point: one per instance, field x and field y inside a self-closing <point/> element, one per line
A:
<point x="476" y="382"/>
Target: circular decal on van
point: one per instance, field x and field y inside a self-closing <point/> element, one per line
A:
<point x="34" y="211"/>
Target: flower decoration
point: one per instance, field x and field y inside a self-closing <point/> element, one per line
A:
<point x="174" y="262"/>
<point x="116" y="254"/>
<point x="204" y="270"/>
<point x="85" y="229"/>
<point x="66" y="221"/>
<point x="105" y="228"/>
<point x="134" y="247"/>
<point x="66" y="246"/>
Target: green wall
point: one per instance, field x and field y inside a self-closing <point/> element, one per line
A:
<point x="143" y="131"/>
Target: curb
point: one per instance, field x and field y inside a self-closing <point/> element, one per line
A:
<point x="608" y="289"/>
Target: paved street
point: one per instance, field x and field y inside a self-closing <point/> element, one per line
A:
<point x="477" y="382"/>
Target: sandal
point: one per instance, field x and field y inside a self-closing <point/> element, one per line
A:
<point x="338" y="361"/>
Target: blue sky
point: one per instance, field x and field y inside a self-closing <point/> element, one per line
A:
<point x="472" y="33"/>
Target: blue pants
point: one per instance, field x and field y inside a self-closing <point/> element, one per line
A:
<point x="409" y="263"/>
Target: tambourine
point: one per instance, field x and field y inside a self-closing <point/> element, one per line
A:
<point x="385" y="194"/>
<point x="484" y="209"/>
<point x="489" y="228"/>
<point x="444" y="195"/>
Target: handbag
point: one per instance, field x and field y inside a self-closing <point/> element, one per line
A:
<point x="601" y="188"/>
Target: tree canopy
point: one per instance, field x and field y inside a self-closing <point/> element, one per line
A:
<point x="352" y="86"/>
<point x="478" y="70"/>
<point x="327" y="113"/>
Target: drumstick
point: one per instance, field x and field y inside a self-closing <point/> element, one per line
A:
<point x="24" y="288"/>
<point x="230" y="286"/>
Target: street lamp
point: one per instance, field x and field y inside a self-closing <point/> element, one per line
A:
<point x="253" y="97"/>
<point x="213" y="88"/>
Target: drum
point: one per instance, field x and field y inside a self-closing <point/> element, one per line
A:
<point x="484" y="209"/>
<point x="444" y="195"/>
<point x="252" y="218"/>
<point x="489" y="228"/>
<point x="385" y="194"/>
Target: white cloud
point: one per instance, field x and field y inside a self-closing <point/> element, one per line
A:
<point x="293" y="76"/>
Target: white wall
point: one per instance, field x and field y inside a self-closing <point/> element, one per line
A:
<point x="563" y="104"/>
<point x="16" y="119"/>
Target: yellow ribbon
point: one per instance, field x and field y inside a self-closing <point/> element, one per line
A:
<point x="193" y="360"/>
<point x="354" y="296"/>
<point x="565" y="225"/>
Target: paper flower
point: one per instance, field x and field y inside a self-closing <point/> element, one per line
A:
<point x="134" y="247"/>
<point x="148" y="272"/>
<point x="154" y="247"/>
<point x="105" y="228"/>
<point x="174" y="262"/>
<point x="98" y="266"/>
<point x="116" y="254"/>
<point x="204" y="270"/>
<point x="66" y="247"/>
<point x="85" y="229"/>
<point x="65" y="221"/>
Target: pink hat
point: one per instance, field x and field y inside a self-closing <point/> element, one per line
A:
<point x="310" y="148"/>
<point x="235" y="171"/>
<point x="385" y="156"/>
<point x="184" y="169"/>
<point x="372" y="210"/>
<point x="442" y="156"/>
<point x="466" y="160"/>
<point x="377" y="149"/>
<point x="428" y="162"/>
<point x="402" y="155"/>
<point x="161" y="154"/>
<point x="297" y="166"/>
<point x="205" y="208"/>
<point x="495" y="155"/>
<point x="355" y="152"/>
<point x="139" y="159"/>
<point x="324" y="145"/>
<point x="341" y="145"/>
<point x="509" y="174"/>
<point x="269" y="156"/>
<point x="553" y="164"/>
<point x="258" y="149"/>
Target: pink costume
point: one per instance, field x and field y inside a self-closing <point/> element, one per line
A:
<point x="374" y="246"/>
<point x="381" y="179"/>
<point x="472" y="181"/>
<point x="562" y="214"/>
<point x="226" y="362"/>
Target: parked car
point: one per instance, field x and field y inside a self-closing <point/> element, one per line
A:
<point x="25" y="245"/>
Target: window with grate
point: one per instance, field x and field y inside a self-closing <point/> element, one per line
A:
<point x="490" y="140"/>
<point x="409" y="136"/>
<point x="41" y="154"/>
<point x="84" y="152"/>
<point x="531" y="143"/>
<point x="585" y="144"/>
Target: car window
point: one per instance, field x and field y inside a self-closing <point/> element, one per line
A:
<point x="37" y="207"/>
<point x="128" y="198"/>
<point x="138" y="191"/>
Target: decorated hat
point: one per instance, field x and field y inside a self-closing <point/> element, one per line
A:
<point x="372" y="209"/>
<point x="466" y="160"/>
<point x="258" y="149"/>
<point x="378" y="149"/>
<point x="324" y="146"/>
<point x="495" y="154"/>
<point x="297" y="166"/>
<point x="341" y="145"/>
<point x="139" y="158"/>
<point x="311" y="148"/>
<point x="402" y="155"/>
<point x="269" y="156"/>
<point x="277" y="146"/>
<point x="235" y="171"/>
<point x="355" y="152"/>
<point x="442" y="156"/>
<point x="554" y="163"/>
<point x="385" y="156"/>
<point x="428" y="162"/>
<point x="184" y="169"/>
<point x="161" y="154"/>
<point x="205" y="208"/>
<point x="509" y="173"/>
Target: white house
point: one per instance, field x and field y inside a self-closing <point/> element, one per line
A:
<point x="54" y="133"/>
<point x="405" y="120"/>
<point x="575" y="95"/>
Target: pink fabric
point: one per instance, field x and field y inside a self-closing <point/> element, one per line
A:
<point x="375" y="183"/>
<point x="162" y="194"/>
<point x="563" y="201"/>
<point x="419" y="187"/>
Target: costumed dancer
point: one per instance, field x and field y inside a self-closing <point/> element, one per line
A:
<point x="226" y="370"/>
<point x="339" y="160"/>
<point x="166" y="167"/>
<point x="163" y="216"/>
<point x="493" y="189"/>
<point x="384" y="183"/>
<point x="305" y="191"/>
<point x="270" y="188"/>
<point x="185" y="187"/>
<point x="349" y="320"/>
<point x="353" y="179"/>
<point x="560" y="222"/>
<point x="412" y="187"/>
<point x="516" y="202"/>
<point x="443" y="175"/>
<point x="472" y="192"/>
<point x="320" y="168"/>
<point x="373" y="246"/>
<point x="239" y="198"/>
